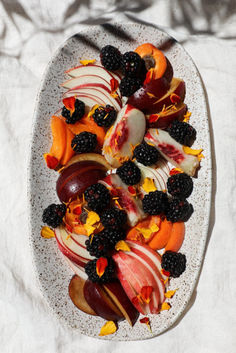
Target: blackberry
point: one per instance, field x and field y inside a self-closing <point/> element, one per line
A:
<point x="129" y="173"/>
<point x="108" y="275"/>
<point x="146" y="154"/>
<point x="76" y="115"/>
<point x="180" y="185"/>
<point x="179" y="210"/>
<point x="129" y="85"/>
<point x="174" y="263"/>
<point x="110" y="57"/>
<point x="113" y="235"/>
<point x="98" y="244"/>
<point x="182" y="132"/>
<point x="155" y="203"/>
<point x="113" y="217"/>
<point x="53" y="214"/>
<point x="84" y="142"/>
<point x="131" y="64"/>
<point x="105" y="116"/>
<point x="97" y="196"/>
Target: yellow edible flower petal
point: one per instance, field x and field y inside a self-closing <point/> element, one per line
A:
<point x="146" y="233"/>
<point x="187" y="117"/>
<point x="154" y="228"/>
<point x="92" y="111"/>
<point x="108" y="328"/>
<point x="170" y="293"/>
<point x="89" y="229"/>
<point x="148" y="185"/>
<point x="122" y="245"/>
<point x="189" y="150"/>
<point x="92" y="218"/>
<point x="165" y="306"/>
<point x="86" y="62"/>
<point x="47" y="233"/>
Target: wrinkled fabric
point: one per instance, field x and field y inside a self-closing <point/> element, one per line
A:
<point x="30" y="31"/>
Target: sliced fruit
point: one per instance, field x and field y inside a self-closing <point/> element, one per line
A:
<point x="172" y="151"/>
<point x="76" y="293"/>
<point x="100" y="302"/>
<point x="176" y="237"/>
<point x="146" y="97"/>
<point x="163" y="119"/>
<point x="175" y="94"/>
<point x="127" y="131"/>
<point x="154" y="58"/>
<point x="88" y="124"/>
<point x="123" y="198"/>
<point x="119" y="297"/>
<point x="68" y="153"/>
<point x="94" y="70"/>
<point x="72" y="247"/>
<point x="160" y="238"/>
<point x="77" y="177"/>
<point x="143" y="230"/>
<point x="95" y="157"/>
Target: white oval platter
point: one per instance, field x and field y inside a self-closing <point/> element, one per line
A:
<point x="53" y="272"/>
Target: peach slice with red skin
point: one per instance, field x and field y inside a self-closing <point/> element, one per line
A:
<point x="164" y="118"/>
<point x="98" y="299"/>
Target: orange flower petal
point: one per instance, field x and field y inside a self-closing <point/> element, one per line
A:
<point x="174" y="171"/>
<point x="114" y="85"/>
<point x="101" y="265"/>
<point x="149" y="76"/>
<point x="51" y="161"/>
<point x="166" y="273"/>
<point x="174" y="98"/>
<point x="148" y="185"/>
<point x="108" y="328"/>
<point x="165" y="306"/>
<point x="132" y="190"/>
<point x="122" y="245"/>
<point x="146" y="293"/>
<point x="86" y="62"/>
<point x="153" y="118"/>
<point x="47" y="233"/>
<point x="145" y="320"/>
<point x="170" y="293"/>
<point x="77" y="210"/>
<point x="69" y="103"/>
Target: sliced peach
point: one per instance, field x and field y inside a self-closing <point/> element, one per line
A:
<point x="88" y="124"/>
<point x="59" y="137"/>
<point x="68" y="153"/>
<point x="154" y="59"/>
<point x="176" y="237"/>
<point x="163" y="119"/>
<point x="147" y="223"/>
<point x="160" y="239"/>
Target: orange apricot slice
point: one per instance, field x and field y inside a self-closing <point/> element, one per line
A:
<point x="138" y="232"/>
<point x="88" y="124"/>
<point x="154" y="59"/>
<point x="177" y="237"/>
<point x="161" y="238"/>
<point x="68" y="153"/>
<point x="59" y="137"/>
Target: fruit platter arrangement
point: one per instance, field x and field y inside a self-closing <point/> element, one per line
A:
<point x="122" y="156"/>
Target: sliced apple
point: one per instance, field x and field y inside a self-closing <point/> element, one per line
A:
<point x="89" y="100"/>
<point x="77" y="269"/>
<point x="124" y="199"/>
<point x="100" y="302"/>
<point x="163" y="119"/>
<point x="119" y="297"/>
<point x="71" y="249"/>
<point x="172" y="151"/>
<point x="127" y="132"/>
<point x="93" y="69"/>
<point x="76" y="293"/>
<point x="83" y="81"/>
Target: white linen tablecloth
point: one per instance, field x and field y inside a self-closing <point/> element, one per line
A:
<point x="30" y="31"/>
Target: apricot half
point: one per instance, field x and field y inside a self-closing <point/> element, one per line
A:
<point x="154" y="59"/>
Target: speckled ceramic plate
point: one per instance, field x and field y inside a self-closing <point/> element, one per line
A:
<point x="52" y="270"/>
